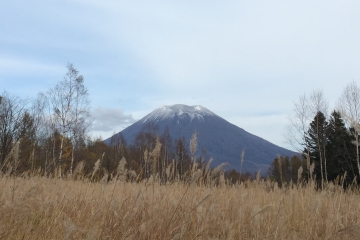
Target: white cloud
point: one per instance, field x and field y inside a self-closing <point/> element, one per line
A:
<point x="108" y="119"/>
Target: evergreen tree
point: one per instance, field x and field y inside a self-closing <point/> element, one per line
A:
<point x="145" y="142"/>
<point x="284" y="170"/>
<point x="316" y="140"/>
<point x="182" y="157"/>
<point x="297" y="162"/>
<point x="341" y="152"/>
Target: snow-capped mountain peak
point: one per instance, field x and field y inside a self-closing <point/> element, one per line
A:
<point x="178" y="110"/>
<point x="217" y="138"/>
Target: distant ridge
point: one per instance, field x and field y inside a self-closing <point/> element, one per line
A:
<point x="222" y="140"/>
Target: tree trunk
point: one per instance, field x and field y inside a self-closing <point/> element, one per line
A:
<point x="53" y="151"/>
<point x="72" y="161"/>
<point x="320" y="153"/>
<point x="60" y="155"/>
<point x="357" y="151"/>
<point x="326" y="178"/>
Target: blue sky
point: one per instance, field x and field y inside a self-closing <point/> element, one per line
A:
<point x="247" y="61"/>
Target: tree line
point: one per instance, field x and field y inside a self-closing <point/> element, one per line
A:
<point x="49" y="136"/>
<point x="47" y="132"/>
<point x="329" y="144"/>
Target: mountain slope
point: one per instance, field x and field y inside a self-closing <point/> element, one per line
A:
<point x="222" y="140"/>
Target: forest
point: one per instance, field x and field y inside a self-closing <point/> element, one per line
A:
<point x="48" y="136"/>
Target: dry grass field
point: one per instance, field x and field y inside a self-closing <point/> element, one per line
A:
<point x="45" y="208"/>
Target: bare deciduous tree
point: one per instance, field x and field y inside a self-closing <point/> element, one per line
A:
<point x="12" y="110"/>
<point x="70" y="104"/>
<point x="304" y="110"/>
<point x="319" y="104"/>
<point x="349" y="107"/>
<point x="298" y="124"/>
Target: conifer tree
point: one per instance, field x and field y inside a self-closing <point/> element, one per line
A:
<point x="316" y="140"/>
<point x="341" y="152"/>
<point x="182" y="157"/>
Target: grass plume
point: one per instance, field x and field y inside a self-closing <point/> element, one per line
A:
<point x="51" y="208"/>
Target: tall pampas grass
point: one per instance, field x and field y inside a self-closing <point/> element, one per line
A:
<point x="96" y="168"/>
<point x="51" y="208"/>
<point x="154" y="155"/>
<point x="193" y="147"/>
<point x="121" y="170"/>
<point x="79" y="170"/>
<point x="203" y="206"/>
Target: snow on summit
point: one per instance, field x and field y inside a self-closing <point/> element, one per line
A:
<point x="220" y="139"/>
<point x="178" y="110"/>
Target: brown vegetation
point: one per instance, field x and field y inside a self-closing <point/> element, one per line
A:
<point x="156" y="188"/>
<point x="44" y="208"/>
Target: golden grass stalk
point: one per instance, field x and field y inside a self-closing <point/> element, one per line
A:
<point x="43" y="208"/>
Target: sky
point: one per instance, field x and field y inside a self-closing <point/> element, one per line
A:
<point x="246" y="61"/>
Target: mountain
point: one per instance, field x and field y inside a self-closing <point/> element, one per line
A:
<point x="222" y="140"/>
